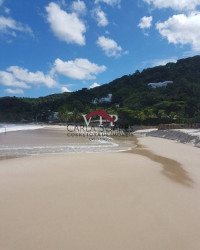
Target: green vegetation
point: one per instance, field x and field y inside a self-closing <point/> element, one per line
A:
<point x="132" y="98"/>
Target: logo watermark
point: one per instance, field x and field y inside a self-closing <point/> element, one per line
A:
<point x="104" y="126"/>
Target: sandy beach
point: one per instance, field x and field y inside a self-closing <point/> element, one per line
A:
<point x="147" y="199"/>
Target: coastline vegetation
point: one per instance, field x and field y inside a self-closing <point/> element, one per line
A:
<point x="133" y="99"/>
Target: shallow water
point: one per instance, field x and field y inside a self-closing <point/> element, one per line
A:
<point x="41" y="141"/>
<point x="17" y="127"/>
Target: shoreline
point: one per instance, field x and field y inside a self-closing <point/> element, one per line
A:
<point x="125" y="144"/>
<point x="185" y="136"/>
<point x="55" y="141"/>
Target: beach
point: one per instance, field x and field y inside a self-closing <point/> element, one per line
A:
<point x="146" y="198"/>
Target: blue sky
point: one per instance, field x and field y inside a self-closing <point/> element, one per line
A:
<point x="51" y="47"/>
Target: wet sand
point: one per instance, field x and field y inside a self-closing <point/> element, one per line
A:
<point x="145" y="199"/>
<point x="171" y="168"/>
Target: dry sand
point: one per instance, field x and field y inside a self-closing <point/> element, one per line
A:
<point x="139" y="200"/>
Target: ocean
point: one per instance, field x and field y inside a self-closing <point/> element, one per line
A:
<point x="17" y="127"/>
<point x="26" y="140"/>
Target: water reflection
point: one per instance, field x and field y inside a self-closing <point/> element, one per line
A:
<point x="171" y="168"/>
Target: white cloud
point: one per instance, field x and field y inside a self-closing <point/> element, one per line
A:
<point x="7" y="11"/>
<point x="79" y="7"/>
<point x="162" y="62"/>
<point x="62" y="3"/>
<point x="25" y="75"/>
<point x="94" y="85"/>
<point x="189" y="53"/>
<point x="14" y="91"/>
<point x="10" y="26"/>
<point x="145" y="22"/>
<point x="7" y="79"/>
<point x="100" y="17"/>
<point x="109" y="46"/>
<point x="182" y="29"/>
<point x="66" y="26"/>
<point x="65" y="89"/>
<point x="110" y="2"/>
<point x="175" y="4"/>
<point x="158" y="62"/>
<point x="80" y="68"/>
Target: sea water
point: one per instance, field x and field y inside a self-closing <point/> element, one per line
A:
<point x="24" y="140"/>
<point x="17" y="127"/>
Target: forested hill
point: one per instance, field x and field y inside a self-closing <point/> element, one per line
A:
<point x="169" y="93"/>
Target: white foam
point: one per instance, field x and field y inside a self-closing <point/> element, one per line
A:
<point x="145" y="130"/>
<point x="56" y="147"/>
<point x="14" y="127"/>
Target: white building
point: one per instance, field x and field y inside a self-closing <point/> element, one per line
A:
<point x="103" y="99"/>
<point x="160" y="84"/>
